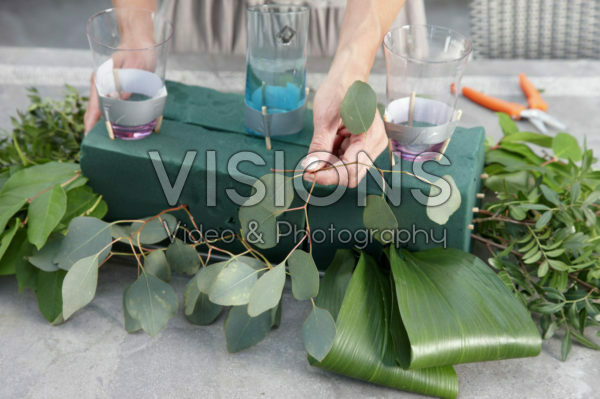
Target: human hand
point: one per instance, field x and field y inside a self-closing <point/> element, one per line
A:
<point x="135" y="59"/>
<point x="335" y="156"/>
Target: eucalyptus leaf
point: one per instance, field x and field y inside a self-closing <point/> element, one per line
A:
<point x="318" y="333"/>
<point x="233" y="285"/>
<point x="153" y="230"/>
<point x="44" y="213"/>
<point x="131" y="324"/>
<point x="156" y="264"/>
<point x="379" y="219"/>
<point x="304" y="275"/>
<point x="79" y="285"/>
<point x="259" y="220"/>
<point x="49" y="293"/>
<point x="44" y="258"/>
<point x="441" y="213"/>
<point x="183" y="258"/>
<point x="86" y="236"/>
<point x="243" y="331"/>
<point x="198" y="309"/>
<point x="358" y="107"/>
<point x="151" y="302"/>
<point x="267" y="291"/>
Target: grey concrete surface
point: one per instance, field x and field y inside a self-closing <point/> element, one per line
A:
<point x="92" y="356"/>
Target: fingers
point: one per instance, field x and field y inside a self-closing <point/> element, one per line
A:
<point x="92" y="113"/>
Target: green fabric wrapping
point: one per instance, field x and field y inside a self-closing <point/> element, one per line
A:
<point x="201" y="119"/>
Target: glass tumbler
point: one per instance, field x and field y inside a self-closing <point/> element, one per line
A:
<point x="424" y="66"/>
<point x="129" y="50"/>
<point x="276" y="68"/>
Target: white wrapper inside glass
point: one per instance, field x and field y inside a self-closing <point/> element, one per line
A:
<point x="129" y="113"/>
<point x="438" y="118"/>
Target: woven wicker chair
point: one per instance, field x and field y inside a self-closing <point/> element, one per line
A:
<point x="536" y="28"/>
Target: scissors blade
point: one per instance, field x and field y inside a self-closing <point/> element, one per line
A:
<point x="543" y="117"/>
<point x="539" y="125"/>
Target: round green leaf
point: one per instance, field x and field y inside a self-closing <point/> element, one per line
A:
<point x="379" y="219"/>
<point x="49" y="293"/>
<point x="358" y="107"/>
<point x="441" y="213"/>
<point x="155" y="230"/>
<point x="266" y="293"/>
<point x="318" y="333"/>
<point x="233" y="285"/>
<point x="156" y="264"/>
<point x="182" y="257"/>
<point x="151" y="302"/>
<point x="305" y="275"/>
<point x="79" y="285"/>
<point x="44" y="258"/>
<point x="566" y="146"/>
<point x="243" y="331"/>
<point x="44" y="213"/>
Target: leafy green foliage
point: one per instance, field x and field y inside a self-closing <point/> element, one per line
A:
<point x="542" y="229"/>
<point x="233" y="285"/>
<point x="49" y="130"/>
<point x="198" y="308"/>
<point x="358" y="107"/>
<point x="156" y="264"/>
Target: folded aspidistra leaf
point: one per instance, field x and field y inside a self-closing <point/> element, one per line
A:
<point x="456" y="310"/>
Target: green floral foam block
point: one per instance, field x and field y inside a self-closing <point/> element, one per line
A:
<point x="203" y="134"/>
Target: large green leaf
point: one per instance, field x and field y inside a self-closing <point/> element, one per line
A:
<point x="529" y="137"/>
<point x="198" y="309"/>
<point x="456" y="310"/>
<point x="151" y="302"/>
<point x="440" y="213"/>
<point x="5" y="239"/>
<point x="335" y="281"/>
<point x="243" y="331"/>
<point x="305" y="275"/>
<point x="364" y="347"/>
<point x="267" y="290"/>
<point x="79" y="201"/>
<point x="359" y="107"/>
<point x="379" y="219"/>
<point x="28" y="182"/>
<point x="44" y="213"/>
<point x="49" y="294"/>
<point x="86" y="236"/>
<point x="79" y="285"/>
<point x="509" y="127"/>
<point x="182" y="257"/>
<point x="259" y="220"/>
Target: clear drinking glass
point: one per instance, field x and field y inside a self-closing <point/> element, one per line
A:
<point x="129" y="49"/>
<point x="276" y="68"/>
<point x="424" y="66"/>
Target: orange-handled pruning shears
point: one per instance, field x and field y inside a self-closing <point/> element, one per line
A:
<point x="535" y="113"/>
